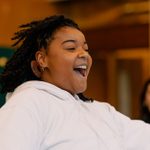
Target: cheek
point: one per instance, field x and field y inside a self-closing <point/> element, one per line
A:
<point x="64" y="66"/>
<point x="148" y="93"/>
<point x="90" y="61"/>
<point x="147" y="99"/>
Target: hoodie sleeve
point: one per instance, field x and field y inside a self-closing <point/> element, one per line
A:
<point x="135" y="133"/>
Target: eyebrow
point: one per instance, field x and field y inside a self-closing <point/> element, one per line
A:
<point x="74" y="41"/>
<point x="68" y="41"/>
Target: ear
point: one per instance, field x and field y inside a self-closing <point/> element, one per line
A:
<point x="41" y="58"/>
<point x="36" y="68"/>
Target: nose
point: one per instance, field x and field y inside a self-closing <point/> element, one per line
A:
<point x="83" y="54"/>
<point x="85" y="57"/>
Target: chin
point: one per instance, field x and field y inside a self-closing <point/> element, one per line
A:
<point x="80" y="90"/>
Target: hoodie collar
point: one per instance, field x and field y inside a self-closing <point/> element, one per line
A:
<point x="45" y="86"/>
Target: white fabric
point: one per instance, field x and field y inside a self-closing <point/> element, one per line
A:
<point x="41" y="116"/>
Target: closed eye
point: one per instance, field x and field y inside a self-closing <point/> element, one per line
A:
<point x="71" y="49"/>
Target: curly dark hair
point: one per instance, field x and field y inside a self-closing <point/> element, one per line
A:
<point x="29" y="39"/>
<point x="145" y="113"/>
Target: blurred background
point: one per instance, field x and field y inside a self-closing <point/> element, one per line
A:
<point x="117" y="32"/>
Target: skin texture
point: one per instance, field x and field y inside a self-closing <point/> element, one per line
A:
<point x="66" y="61"/>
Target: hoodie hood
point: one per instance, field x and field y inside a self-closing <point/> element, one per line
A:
<point x="44" y="86"/>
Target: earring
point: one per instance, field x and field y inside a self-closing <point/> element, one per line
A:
<point x="42" y="69"/>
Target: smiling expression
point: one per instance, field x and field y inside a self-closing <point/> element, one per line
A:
<point x="67" y="60"/>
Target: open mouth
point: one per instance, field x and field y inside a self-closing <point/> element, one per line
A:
<point x="82" y="70"/>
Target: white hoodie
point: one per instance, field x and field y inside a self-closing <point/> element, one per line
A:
<point x="41" y="116"/>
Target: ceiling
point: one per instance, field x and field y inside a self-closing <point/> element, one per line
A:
<point x="105" y="12"/>
<point x="110" y="24"/>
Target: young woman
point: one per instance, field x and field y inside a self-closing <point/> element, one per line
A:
<point x="145" y="102"/>
<point x="45" y="108"/>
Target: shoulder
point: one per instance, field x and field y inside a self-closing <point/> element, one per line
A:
<point x="103" y="106"/>
<point x="31" y="100"/>
<point x="109" y="112"/>
<point x="100" y="109"/>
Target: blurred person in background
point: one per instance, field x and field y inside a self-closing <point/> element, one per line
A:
<point x="145" y="102"/>
<point x="45" y="107"/>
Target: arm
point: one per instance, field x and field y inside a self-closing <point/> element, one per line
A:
<point x="135" y="133"/>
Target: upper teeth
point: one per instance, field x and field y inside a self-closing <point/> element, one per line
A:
<point x="82" y="67"/>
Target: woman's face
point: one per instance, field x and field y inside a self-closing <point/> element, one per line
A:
<point x="147" y="97"/>
<point x="67" y="61"/>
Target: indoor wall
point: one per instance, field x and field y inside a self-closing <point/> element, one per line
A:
<point x="118" y="36"/>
